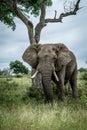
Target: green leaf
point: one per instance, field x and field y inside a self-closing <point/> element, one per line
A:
<point x="26" y="6"/>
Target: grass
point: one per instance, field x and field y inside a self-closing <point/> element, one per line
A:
<point x="43" y="117"/>
<point x="34" y="115"/>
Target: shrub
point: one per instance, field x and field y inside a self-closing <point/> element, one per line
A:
<point x="84" y="76"/>
<point x="82" y="92"/>
<point x="35" y="92"/>
<point x="18" y="75"/>
<point x="8" y="93"/>
<point x="82" y="70"/>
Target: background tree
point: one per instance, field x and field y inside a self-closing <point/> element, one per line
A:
<point x="18" y="67"/>
<point x="5" y="71"/>
<point x="82" y="69"/>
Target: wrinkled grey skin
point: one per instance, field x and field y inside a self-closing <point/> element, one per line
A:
<point x="48" y="58"/>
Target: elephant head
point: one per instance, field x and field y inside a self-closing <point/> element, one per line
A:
<point x="47" y="59"/>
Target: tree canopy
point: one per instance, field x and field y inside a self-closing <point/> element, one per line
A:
<point x="28" y="7"/>
<point x="9" y="9"/>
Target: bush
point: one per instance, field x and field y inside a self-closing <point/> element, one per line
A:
<point x="18" y="75"/>
<point x="35" y="92"/>
<point x="82" y="92"/>
<point x="84" y="76"/>
<point x="8" y="92"/>
<point x="82" y="70"/>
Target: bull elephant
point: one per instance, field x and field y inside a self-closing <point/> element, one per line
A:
<point x="55" y="62"/>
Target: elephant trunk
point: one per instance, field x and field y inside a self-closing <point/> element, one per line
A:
<point x="46" y="70"/>
<point x="46" y="80"/>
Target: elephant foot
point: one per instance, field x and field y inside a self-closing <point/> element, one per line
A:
<point x="75" y="95"/>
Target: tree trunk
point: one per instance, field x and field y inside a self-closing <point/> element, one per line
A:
<point x="37" y="82"/>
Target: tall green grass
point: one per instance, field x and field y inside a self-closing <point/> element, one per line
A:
<point x="17" y="114"/>
<point x="43" y="117"/>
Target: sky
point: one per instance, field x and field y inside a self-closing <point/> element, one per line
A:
<point x="72" y="32"/>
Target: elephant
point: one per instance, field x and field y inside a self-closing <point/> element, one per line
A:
<point x="55" y="62"/>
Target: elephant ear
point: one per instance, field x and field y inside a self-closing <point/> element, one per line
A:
<point x="63" y="55"/>
<point x="30" y="55"/>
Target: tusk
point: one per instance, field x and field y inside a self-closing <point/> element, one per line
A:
<point x="56" y="76"/>
<point x="34" y="75"/>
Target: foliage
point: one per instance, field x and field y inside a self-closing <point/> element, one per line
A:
<point x="8" y="95"/>
<point x="83" y="93"/>
<point x="5" y="71"/>
<point x="33" y="6"/>
<point x="1" y="72"/>
<point x="82" y="70"/>
<point x="16" y="114"/>
<point x="28" y="7"/>
<point x="84" y="76"/>
<point x="7" y="16"/>
<point x="18" y="67"/>
<point x="19" y="75"/>
<point x="12" y="90"/>
<point x="35" y="93"/>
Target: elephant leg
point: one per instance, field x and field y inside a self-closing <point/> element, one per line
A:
<point x="73" y="83"/>
<point x="60" y="89"/>
<point x="60" y="85"/>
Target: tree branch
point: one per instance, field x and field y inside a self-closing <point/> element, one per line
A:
<point x="62" y="15"/>
<point x="26" y="21"/>
<point x="41" y="24"/>
<point x="21" y="15"/>
<point x="77" y="6"/>
<point x="55" y="14"/>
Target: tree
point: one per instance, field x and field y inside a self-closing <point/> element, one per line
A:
<point x="5" y="71"/>
<point x="82" y="69"/>
<point x="23" y="8"/>
<point x="18" y="67"/>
